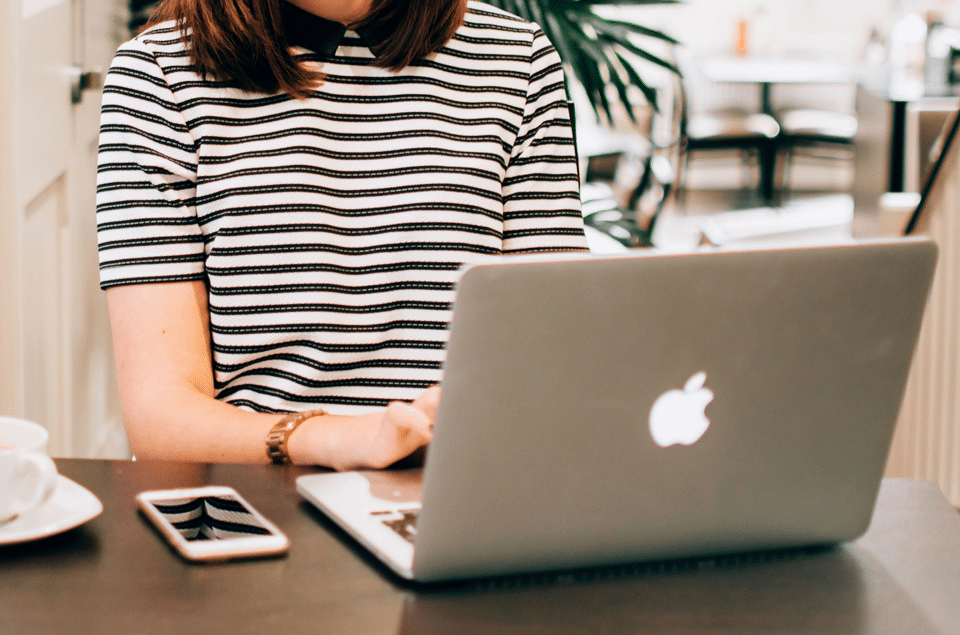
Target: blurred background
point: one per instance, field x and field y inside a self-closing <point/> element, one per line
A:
<point x="787" y="118"/>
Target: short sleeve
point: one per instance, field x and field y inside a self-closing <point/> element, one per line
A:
<point x="147" y="225"/>
<point x="541" y="187"/>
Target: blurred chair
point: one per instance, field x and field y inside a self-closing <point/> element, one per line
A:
<point x="752" y="135"/>
<point x="631" y="225"/>
<point x="604" y="217"/>
<point x="817" y="134"/>
<point x="625" y="192"/>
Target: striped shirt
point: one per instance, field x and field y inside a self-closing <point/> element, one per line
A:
<point x="329" y="231"/>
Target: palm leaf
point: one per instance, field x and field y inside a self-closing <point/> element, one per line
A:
<point x="592" y="47"/>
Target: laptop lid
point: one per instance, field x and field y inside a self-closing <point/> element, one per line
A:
<point x="602" y="410"/>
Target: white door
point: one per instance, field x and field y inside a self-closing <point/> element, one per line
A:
<point x="56" y="364"/>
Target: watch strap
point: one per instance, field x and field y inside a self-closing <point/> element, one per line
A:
<point x="280" y="433"/>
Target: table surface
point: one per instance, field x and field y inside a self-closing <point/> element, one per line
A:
<point x="771" y="70"/>
<point x="115" y="575"/>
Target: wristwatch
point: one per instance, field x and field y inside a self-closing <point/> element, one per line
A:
<point x="281" y="431"/>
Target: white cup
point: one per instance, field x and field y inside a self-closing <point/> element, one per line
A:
<point x="27" y="475"/>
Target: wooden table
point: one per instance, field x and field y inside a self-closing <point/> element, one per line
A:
<point x="115" y="575"/>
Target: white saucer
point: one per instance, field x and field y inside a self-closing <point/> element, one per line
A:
<point x="71" y="505"/>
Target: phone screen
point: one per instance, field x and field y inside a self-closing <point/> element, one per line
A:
<point x="220" y="517"/>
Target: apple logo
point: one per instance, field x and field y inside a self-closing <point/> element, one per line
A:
<point x="678" y="416"/>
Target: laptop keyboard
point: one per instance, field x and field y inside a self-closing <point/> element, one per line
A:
<point x="402" y="521"/>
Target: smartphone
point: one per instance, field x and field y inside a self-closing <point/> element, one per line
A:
<point x="211" y="523"/>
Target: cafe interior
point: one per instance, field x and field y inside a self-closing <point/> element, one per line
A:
<point x="742" y="124"/>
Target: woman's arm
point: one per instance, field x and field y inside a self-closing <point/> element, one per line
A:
<point x="162" y="345"/>
<point x="541" y="189"/>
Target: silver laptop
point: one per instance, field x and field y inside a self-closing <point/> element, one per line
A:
<point x="616" y="409"/>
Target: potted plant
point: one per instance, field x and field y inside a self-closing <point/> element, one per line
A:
<point x="597" y="50"/>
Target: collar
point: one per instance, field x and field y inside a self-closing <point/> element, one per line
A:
<point x="317" y="34"/>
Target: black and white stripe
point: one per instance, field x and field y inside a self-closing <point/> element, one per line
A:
<point x="210" y="518"/>
<point x="330" y="230"/>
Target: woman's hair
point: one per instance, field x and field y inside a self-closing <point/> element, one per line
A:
<point x="242" y="42"/>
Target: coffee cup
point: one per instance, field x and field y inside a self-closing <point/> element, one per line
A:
<point x="27" y="475"/>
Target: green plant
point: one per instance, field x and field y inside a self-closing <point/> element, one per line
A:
<point x="597" y="50"/>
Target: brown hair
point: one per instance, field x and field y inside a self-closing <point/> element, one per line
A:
<point x="242" y="42"/>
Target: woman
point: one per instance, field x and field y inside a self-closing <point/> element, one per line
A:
<point x="285" y="195"/>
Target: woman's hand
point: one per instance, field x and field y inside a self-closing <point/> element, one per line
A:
<point x="376" y="440"/>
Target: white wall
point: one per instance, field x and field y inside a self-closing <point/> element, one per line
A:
<point x="55" y="354"/>
<point x="8" y="227"/>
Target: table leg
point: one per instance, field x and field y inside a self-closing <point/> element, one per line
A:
<point x="766" y="100"/>
<point x="768" y="169"/>
<point x="768" y="152"/>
